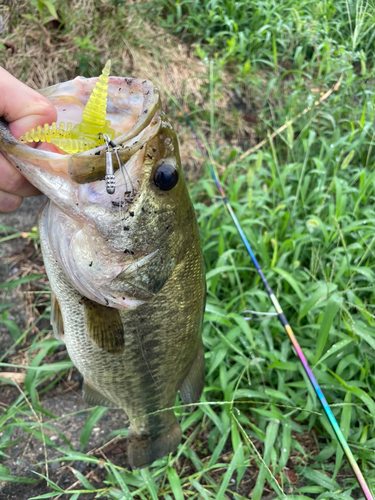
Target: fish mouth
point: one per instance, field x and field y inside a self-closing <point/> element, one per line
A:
<point x="133" y="108"/>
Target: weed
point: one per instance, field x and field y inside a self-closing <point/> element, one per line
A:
<point x="305" y="200"/>
<point x="46" y="10"/>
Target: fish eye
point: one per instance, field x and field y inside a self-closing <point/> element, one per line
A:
<point x="166" y="176"/>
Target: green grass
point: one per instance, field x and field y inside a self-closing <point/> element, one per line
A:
<point x="268" y="33"/>
<point x="306" y="203"/>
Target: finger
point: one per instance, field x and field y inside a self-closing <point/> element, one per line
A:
<point x="9" y="202"/>
<point x="11" y="181"/>
<point x="22" y="107"/>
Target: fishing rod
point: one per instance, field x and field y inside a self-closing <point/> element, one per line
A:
<point x="283" y="320"/>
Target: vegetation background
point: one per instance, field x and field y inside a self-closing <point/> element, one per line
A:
<point x="305" y="196"/>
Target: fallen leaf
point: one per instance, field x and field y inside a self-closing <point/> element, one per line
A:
<point x="19" y="378"/>
<point x="291" y="475"/>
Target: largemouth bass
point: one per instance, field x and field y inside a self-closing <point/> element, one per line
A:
<point x="126" y="269"/>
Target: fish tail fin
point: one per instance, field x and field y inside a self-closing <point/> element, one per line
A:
<point x="162" y="437"/>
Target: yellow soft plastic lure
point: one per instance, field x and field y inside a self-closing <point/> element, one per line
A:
<point x="85" y="135"/>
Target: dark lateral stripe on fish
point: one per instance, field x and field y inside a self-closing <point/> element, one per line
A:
<point x="146" y="360"/>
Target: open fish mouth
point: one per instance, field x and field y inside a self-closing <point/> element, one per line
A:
<point x="101" y="223"/>
<point x="133" y="110"/>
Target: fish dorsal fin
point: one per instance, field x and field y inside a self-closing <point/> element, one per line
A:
<point x="104" y="327"/>
<point x="88" y="133"/>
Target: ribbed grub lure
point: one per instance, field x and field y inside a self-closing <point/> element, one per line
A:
<point x="85" y="135"/>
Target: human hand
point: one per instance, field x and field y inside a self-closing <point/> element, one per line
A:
<point x="24" y="109"/>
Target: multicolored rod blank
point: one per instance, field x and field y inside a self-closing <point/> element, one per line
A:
<point x="289" y="331"/>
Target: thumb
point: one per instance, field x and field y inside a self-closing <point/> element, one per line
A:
<point x="22" y="107"/>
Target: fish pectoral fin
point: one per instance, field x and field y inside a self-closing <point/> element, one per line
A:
<point x="104" y="327"/>
<point x="93" y="398"/>
<point x="193" y="384"/>
<point x="146" y="447"/>
<point x="56" y="318"/>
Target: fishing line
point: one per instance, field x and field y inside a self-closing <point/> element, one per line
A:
<point x="283" y="320"/>
<point x="122" y="168"/>
<point x="262" y="315"/>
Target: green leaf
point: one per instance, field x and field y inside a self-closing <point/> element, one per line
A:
<point x="16" y="479"/>
<point x="151" y="485"/>
<point x="292" y="281"/>
<point x="14" y="331"/>
<point x="51" y="8"/>
<point x="321" y="293"/>
<point x="175" y="483"/>
<point x="244" y="325"/>
<point x="95" y="415"/>
<point x="295" y="497"/>
<point x="271" y="434"/>
<point x="45" y="495"/>
<point x="85" y="482"/>
<point x="319" y="478"/>
<point x="332" y="307"/>
<point x="360" y="393"/>
<point x="219" y="447"/>
<point x="285" y="446"/>
<point x="205" y="494"/>
<point x="211" y="308"/>
<point x="76" y="455"/>
<point x="213" y="416"/>
<point x="48" y="368"/>
<point x="276" y="394"/>
<point x="27" y="279"/>
<point x="365" y="332"/>
<point x="121" y="482"/>
<point x="335" y="348"/>
<point x="345" y="427"/>
<point x="229" y="473"/>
